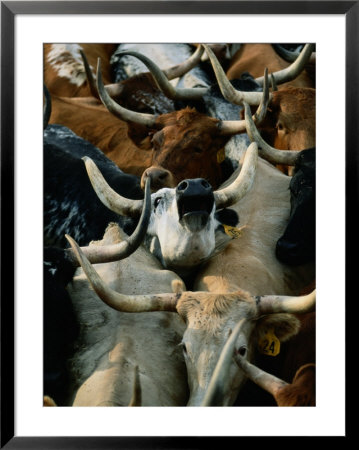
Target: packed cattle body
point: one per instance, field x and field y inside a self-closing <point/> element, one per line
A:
<point x="71" y="206"/>
<point x="297" y="244"/>
<point x="186" y="223"/>
<point x="299" y="392"/>
<point x="180" y="144"/>
<point x="59" y="269"/>
<point x="246" y="263"/>
<point x="289" y="135"/>
<point x="290" y="120"/>
<point x="253" y="58"/>
<point x="209" y="318"/>
<point x="64" y="72"/>
<point x="110" y="344"/>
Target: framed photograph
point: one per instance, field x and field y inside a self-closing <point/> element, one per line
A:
<point x="331" y="28"/>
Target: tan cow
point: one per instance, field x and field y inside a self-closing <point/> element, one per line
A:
<point x="111" y="343"/>
<point x="210" y="318"/>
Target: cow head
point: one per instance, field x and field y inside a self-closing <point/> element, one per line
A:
<point x="185" y="143"/>
<point x="212" y="318"/>
<point x="182" y="226"/>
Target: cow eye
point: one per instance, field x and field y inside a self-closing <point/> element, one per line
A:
<point x="184" y="348"/>
<point x="197" y="150"/>
<point x="280" y="126"/>
<point x="156" y="202"/>
<point x="242" y="350"/>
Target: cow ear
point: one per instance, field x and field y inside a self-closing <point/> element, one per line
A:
<point x="140" y="135"/>
<point x="284" y="326"/>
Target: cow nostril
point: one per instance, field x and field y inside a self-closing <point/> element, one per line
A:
<point x="205" y="184"/>
<point x="182" y="186"/>
<point x="162" y="176"/>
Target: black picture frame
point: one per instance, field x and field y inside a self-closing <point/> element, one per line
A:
<point x="9" y="9"/>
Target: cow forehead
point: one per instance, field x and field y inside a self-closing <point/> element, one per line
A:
<point x="211" y="312"/>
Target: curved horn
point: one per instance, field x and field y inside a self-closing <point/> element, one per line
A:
<point x="287" y="55"/>
<point x="237" y="126"/>
<point x="163" y="82"/>
<point x="271" y="304"/>
<point x="115" y="252"/>
<point x="214" y="392"/>
<point x="271" y="154"/>
<point x="235" y="191"/>
<point x="114" y="201"/>
<point x="89" y="75"/>
<point x="47" y="107"/>
<point x="266" y="381"/>
<point x="291" y="72"/>
<point x="119" y="111"/>
<point x="228" y="91"/>
<point x="120" y="302"/>
<point x="181" y="69"/>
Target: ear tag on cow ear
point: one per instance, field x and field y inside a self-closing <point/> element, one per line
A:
<point x="221" y="155"/>
<point x="269" y="344"/>
<point x="233" y="232"/>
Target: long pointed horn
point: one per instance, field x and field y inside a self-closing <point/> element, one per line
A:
<point x="136" y="399"/>
<point x="47" y="107"/>
<point x="114" y="201"/>
<point x="214" y="393"/>
<point x="291" y="72"/>
<point x="120" y="302"/>
<point x="119" y="111"/>
<point x="271" y="154"/>
<point x="266" y="381"/>
<point x="181" y="69"/>
<point x="237" y="126"/>
<point x="89" y="75"/>
<point x="228" y="91"/>
<point x="163" y="82"/>
<point x="109" y="253"/>
<point x="271" y="304"/>
<point x="241" y="185"/>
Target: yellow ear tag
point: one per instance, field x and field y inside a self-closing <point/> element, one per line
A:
<point x="233" y="232"/>
<point x="221" y="155"/>
<point x="269" y="344"/>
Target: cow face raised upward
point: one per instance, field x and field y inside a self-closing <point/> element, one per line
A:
<point x="182" y="226"/>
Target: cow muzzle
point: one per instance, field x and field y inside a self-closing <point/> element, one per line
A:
<point x="195" y="201"/>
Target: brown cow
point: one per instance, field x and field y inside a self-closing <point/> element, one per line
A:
<point x="64" y="71"/>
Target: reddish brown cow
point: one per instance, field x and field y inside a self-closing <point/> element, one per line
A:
<point x="254" y="58"/>
<point x="173" y="146"/>
<point x="64" y="72"/>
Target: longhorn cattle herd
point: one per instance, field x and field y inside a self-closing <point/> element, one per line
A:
<point x="179" y="225"/>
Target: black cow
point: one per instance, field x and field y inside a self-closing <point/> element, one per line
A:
<point x="60" y="324"/>
<point x="70" y="203"/>
<point x="297" y="245"/>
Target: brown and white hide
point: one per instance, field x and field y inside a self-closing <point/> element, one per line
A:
<point x="112" y="343"/>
